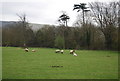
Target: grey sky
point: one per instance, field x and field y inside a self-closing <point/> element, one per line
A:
<point x="40" y="11"/>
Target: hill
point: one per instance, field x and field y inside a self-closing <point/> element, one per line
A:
<point x="34" y="26"/>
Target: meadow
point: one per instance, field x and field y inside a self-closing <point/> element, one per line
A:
<point x="89" y="64"/>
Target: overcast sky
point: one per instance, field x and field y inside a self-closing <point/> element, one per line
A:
<point x="40" y="11"/>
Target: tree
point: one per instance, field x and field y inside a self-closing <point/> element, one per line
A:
<point x="64" y="19"/>
<point x="118" y="25"/>
<point x="59" y="42"/>
<point x="18" y="33"/>
<point x="45" y="36"/>
<point x="106" y="16"/>
<point x="24" y="26"/>
<point x="13" y="35"/>
<point x="83" y="7"/>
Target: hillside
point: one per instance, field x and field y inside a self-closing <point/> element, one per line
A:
<point x="34" y="26"/>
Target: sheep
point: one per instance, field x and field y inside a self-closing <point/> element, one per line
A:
<point x="62" y="51"/>
<point x="57" y="51"/>
<point x="72" y="51"/>
<point x="26" y="49"/>
<point x="74" y="54"/>
<point x="33" y="50"/>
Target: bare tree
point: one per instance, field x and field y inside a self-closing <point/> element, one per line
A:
<point x="118" y="25"/>
<point x="106" y="16"/>
<point x="24" y="26"/>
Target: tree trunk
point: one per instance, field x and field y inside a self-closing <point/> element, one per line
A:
<point x="83" y="17"/>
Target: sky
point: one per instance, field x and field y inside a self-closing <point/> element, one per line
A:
<point x="40" y="11"/>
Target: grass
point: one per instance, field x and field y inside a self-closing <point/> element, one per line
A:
<point x="18" y="64"/>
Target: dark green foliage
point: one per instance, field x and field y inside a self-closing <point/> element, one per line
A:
<point x="85" y="37"/>
<point x="59" y="42"/>
<point x="45" y="36"/>
<point x="13" y="35"/>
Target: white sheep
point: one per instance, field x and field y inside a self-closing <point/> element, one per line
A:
<point x="62" y="51"/>
<point x="57" y="51"/>
<point x="26" y="49"/>
<point x="74" y="54"/>
<point x="33" y="50"/>
<point x="72" y="51"/>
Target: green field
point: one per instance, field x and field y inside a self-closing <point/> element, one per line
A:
<point x="18" y="64"/>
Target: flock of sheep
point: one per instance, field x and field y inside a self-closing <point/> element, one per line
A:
<point x="56" y="51"/>
<point x="27" y="50"/>
<point x="61" y="51"/>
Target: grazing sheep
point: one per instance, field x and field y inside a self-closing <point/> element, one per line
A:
<point x="26" y="49"/>
<point x="57" y="51"/>
<point x="62" y="51"/>
<point x="33" y="51"/>
<point x="74" y="54"/>
<point x="72" y="51"/>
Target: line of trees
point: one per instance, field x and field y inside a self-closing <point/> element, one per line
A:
<point x="85" y="35"/>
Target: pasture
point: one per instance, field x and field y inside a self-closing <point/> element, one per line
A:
<point x="18" y="64"/>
